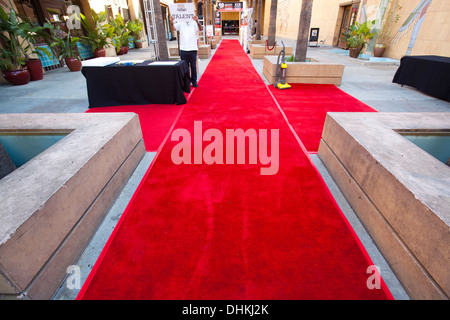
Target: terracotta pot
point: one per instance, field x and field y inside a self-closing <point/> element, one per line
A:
<point x="73" y="64"/>
<point x="34" y="66"/>
<point x="138" y="44"/>
<point x="17" y="77"/>
<point x="125" y="48"/>
<point x="121" y="51"/>
<point x="354" y="52"/>
<point x="378" y="49"/>
<point x="100" y="52"/>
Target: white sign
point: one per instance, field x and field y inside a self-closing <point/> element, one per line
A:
<point x="181" y="11"/>
<point x="209" y="31"/>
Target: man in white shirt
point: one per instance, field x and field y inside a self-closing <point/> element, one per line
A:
<point x="189" y="44"/>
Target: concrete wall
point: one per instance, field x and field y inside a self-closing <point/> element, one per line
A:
<point x="398" y="191"/>
<point x="52" y="205"/>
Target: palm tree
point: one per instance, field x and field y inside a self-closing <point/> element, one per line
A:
<point x="303" y="30"/>
<point x="213" y="16"/>
<point x="161" y="35"/>
<point x="206" y="17"/>
<point x="273" y="22"/>
<point x="253" y="5"/>
<point x="258" y="23"/>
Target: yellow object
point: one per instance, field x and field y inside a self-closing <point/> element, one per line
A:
<point x="284" y="65"/>
<point x="283" y="86"/>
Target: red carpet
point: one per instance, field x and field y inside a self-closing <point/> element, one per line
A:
<point x="156" y="120"/>
<point x="306" y="106"/>
<point x="223" y="231"/>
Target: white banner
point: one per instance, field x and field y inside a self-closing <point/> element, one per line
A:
<point x="181" y="11"/>
<point x="209" y="31"/>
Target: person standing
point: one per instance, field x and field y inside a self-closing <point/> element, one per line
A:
<point x="189" y="43"/>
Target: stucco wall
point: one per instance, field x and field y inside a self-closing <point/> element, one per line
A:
<point x="433" y="35"/>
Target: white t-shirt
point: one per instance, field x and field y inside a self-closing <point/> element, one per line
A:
<point x="188" y="35"/>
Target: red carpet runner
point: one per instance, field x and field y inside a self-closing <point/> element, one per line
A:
<point x="306" y="106"/>
<point x="156" y="120"/>
<point x="224" y="231"/>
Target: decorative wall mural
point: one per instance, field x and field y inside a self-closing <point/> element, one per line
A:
<point x="283" y="16"/>
<point x="363" y="13"/>
<point x="414" y="22"/>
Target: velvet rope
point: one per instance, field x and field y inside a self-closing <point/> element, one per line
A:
<point x="267" y="44"/>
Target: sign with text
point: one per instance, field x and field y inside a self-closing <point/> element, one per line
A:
<point x="181" y="11"/>
<point x="314" y="35"/>
<point x="230" y="6"/>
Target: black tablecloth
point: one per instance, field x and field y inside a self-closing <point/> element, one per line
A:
<point x="138" y="84"/>
<point x="429" y="74"/>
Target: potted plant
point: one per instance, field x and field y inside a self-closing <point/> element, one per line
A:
<point x="95" y="36"/>
<point x="13" y="70"/>
<point x="65" y="48"/>
<point x="118" y="33"/>
<point x="34" y="64"/>
<point x="359" y="36"/>
<point x="390" y="18"/>
<point x="135" y="27"/>
<point x="13" y="34"/>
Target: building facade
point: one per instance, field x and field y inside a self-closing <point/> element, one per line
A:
<point x="421" y="27"/>
<point x="55" y="11"/>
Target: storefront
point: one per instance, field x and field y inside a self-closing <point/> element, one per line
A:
<point x="228" y="15"/>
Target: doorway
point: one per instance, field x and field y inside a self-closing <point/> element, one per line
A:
<point x="230" y="27"/>
<point x="230" y="23"/>
<point x="348" y="14"/>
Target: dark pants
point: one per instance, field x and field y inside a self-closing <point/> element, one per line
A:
<point x="191" y="58"/>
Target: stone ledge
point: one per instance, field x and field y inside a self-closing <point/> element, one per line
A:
<point x="204" y="51"/>
<point x="397" y="190"/>
<point x="305" y="72"/>
<point x="213" y="43"/>
<point x="45" y="202"/>
<point x="257" y="42"/>
<point x="173" y="52"/>
<point x="259" y="51"/>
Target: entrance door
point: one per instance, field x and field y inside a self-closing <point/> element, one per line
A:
<point x="345" y="23"/>
<point x="230" y="23"/>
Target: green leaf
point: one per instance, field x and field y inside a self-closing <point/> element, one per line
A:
<point x="3" y="15"/>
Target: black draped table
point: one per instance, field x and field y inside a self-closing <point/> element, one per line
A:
<point x="429" y="74"/>
<point x="148" y="82"/>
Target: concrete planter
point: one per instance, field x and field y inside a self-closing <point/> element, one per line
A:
<point x="204" y="51"/>
<point x="305" y="72"/>
<point x="398" y="191"/>
<point x="52" y="205"/>
<point x="259" y="51"/>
